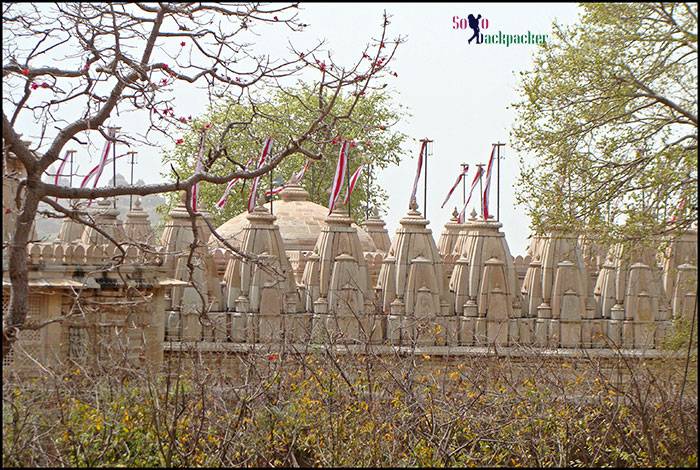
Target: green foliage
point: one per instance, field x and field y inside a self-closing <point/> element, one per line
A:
<point x="608" y="122"/>
<point x="285" y="116"/>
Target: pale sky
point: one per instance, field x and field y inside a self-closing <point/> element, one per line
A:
<point x="458" y="94"/>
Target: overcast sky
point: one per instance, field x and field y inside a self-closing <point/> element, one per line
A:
<point x="458" y="94"/>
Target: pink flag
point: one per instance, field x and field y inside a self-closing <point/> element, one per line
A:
<point x="274" y="191"/>
<point x="294" y="179"/>
<point x="198" y="169"/>
<point x="339" y="176"/>
<point x="353" y="182"/>
<point x="463" y="174"/>
<point x="100" y="167"/>
<point x="475" y="181"/>
<point x="222" y="202"/>
<point x="103" y="162"/>
<point x="254" y="189"/>
<point x="59" y="172"/>
<point x="487" y="185"/>
<point x="681" y="206"/>
<point x="298" y="176"/>
<point x="95" y="169"/>
<point x="423" y="150"/>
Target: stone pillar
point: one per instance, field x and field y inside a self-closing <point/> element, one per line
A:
<point x="154" y="330"/>
<point x="53" y="333"/>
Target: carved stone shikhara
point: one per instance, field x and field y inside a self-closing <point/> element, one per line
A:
<point x="304" y="277"/>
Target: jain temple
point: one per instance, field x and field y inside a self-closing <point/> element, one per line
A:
<point x="299" y="277"/>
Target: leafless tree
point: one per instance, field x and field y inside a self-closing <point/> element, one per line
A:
<point x="69" y="68"/>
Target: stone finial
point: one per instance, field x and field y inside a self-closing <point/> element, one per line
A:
<point x="137" y="227"/>
<point x="413" y="205"/>
<point x="472" y="214"/>
<point x="105" y="216"/>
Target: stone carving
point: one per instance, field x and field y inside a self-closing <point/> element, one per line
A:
<point x="412" y="282"/>
<point x="336" y="282"/>
<point x="261" y="287"/>
<point x="105" y="217"/>
<point x="137" y="227"/>
<point x="484" y="285"/>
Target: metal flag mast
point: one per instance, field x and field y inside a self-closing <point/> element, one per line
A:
<point x="369" y="185"/>
<point x="427" y="143"/>
<point x="464" y="185"/>
<point x="132" y="162"/>
<point x="498" y="180"/>
<point x="481" y="191"/>
<point x="113" y="134"/>
<point x="347" y="179"/>
<point x="70" y="176"/>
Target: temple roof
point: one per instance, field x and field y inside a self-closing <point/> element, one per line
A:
<point x="299" y="220"/>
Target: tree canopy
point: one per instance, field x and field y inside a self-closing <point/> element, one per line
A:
<point x="608" y="122"/>
<point x="282" y="116"/>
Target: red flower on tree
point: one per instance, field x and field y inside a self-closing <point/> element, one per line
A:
<point x="34" y="86"/>
<point x="179" y="141"/>
<point x="272" y="357"/>
<point x="25" y="72"/>
<point x="45" y="85"/>
<point x="182" y="44"/>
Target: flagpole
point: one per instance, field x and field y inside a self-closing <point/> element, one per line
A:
<point x="498" y="180"/>
<point x="70" y="176"/>
<point x="347" y="179"/>
<point x="481" y="191"/>
<point x="114" y="161"/>
<point x="132" y="162"/>
<point x="369" y="183"/>
<point x="464" y="184"/>
<point x="426" y="141"/>
<point x="272" y="196"/>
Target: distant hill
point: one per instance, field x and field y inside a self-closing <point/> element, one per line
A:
<point x="47" y="228"/>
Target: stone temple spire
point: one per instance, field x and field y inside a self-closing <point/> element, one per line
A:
<point x="485" y="287"/>
<point x="448" y="240"/>
<point x="558" y="292"/>
<point x="629" y="295"/>
<point x="105" y="217"/>
<point x="336" y="282"/>
<point x="376" y="229"/>
<point x="411" y="281"/>
<point x="137" y="227"/>
<point x="261" y="289"/>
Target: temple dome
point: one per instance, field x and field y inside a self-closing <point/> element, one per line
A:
<point x="299" y="220"/>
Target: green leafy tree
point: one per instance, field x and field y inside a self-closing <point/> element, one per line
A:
<point x="281" y="117"/>
<point x="608" y="123"/>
